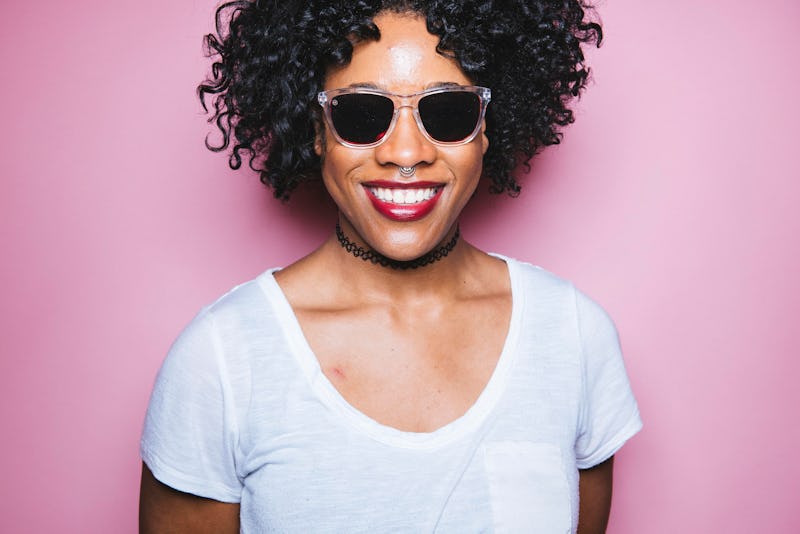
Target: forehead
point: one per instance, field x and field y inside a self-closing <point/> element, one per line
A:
<point x="403" y="60"/>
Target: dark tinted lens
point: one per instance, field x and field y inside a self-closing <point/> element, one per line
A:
<point x="361" y="118"/>
<point x="451" y="116"/>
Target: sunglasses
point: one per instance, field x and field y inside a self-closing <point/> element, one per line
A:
<point x="362" y="117"/>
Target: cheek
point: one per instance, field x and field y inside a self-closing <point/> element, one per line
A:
<point x="469" y="159"/>
<point x="338" y="165"/>
<point x="474" y="163"/>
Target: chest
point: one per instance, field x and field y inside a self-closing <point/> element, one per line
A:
<point x="307" y="457"/>
<point x="413" y="370"/>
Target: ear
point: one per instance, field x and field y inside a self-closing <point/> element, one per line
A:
<point x="484" y="139"/>
<point x="319" y="138"/>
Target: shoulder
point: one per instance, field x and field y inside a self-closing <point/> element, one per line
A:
<point x="552" y="300"/>
<point x="222" y="328"/>
<point x="531" y="273"/>
<point x="243" y="297"/>
<point x="539" y="285"/>
<point x="248" y="307"/>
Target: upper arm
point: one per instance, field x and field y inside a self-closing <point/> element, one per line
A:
<point x="595" y="497"/>
<point x="190" y="434"/>
<point x="608" y="415"/>
<point x="163" y="509"/>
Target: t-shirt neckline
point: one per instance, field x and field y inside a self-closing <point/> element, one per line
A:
<point x="464" y="425"/>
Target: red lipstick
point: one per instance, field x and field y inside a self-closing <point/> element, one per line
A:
<point x="380" y="194"/>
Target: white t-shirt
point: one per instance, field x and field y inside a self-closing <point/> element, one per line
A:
<point x="241" y="412"/>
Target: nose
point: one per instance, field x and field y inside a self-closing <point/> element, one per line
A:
<point x="406" y="146"/>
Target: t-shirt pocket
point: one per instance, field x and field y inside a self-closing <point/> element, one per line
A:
<point x="528" y="488"/>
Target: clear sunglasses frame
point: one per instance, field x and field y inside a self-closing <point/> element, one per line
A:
<point x="405" y="101"/>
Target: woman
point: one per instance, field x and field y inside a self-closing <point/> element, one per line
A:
<point x="397" y="378"/>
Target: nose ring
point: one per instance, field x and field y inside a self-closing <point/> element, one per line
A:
<point x="407" y="172"/>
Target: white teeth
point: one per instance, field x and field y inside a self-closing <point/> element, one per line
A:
<point x="403" y="196"/>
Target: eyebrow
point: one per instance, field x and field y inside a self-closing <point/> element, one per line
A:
<point x="371" y="85"/>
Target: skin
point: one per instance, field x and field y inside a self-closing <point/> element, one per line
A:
<point x="404" y="61"/>
<point x="442" y="327"/>
<point x="163" y="510"/>
<point x="595" y="491"/>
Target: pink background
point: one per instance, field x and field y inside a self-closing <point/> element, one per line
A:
<point x="672" y="201"/>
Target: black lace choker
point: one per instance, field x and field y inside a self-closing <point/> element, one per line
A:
<point x="378" y="258"/>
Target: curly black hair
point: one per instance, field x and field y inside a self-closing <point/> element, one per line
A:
<point x="272" y="58"/>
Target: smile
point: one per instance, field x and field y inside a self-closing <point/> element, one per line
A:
<point x="404" y="202"/>
<point x="403" y="196"/>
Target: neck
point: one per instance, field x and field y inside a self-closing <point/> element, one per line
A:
<point x="438" y="272"/>
<point x="376" y="258"/>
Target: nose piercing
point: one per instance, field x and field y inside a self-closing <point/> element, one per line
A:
<point x="407" y="172"/>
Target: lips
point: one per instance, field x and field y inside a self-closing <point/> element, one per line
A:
<point x="403" y="201"/>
